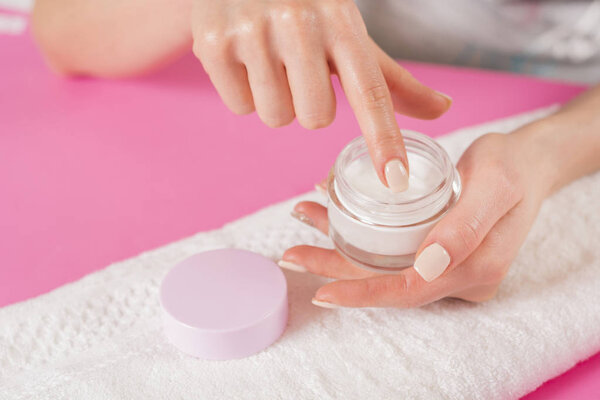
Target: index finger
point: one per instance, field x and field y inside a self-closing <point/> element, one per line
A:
<point x="369" y="96"/>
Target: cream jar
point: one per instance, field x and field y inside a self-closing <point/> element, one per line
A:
<point x="375" y="228"/>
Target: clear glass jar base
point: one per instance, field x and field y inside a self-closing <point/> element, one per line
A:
<point x="384" y="264"/>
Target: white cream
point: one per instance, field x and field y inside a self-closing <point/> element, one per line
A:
<point x="423" y="178"/>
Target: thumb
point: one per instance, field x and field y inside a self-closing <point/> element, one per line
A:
<point x="486" y="198"/>
<point x="409" y="96"/>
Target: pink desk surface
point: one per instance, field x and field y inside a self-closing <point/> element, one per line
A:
<point x="93" y="172"/>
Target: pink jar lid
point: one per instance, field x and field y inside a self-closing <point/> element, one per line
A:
<point x="224" y="304"/>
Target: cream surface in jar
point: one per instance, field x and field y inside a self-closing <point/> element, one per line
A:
<point x="372" y="226"/>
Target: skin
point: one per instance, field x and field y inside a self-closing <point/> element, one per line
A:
<point x="505" y="180"/>
<point x="276" y="58"/>
<point x="272" y="56"/>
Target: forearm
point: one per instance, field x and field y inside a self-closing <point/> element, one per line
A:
<point x="567" y="143"/>
<point x="111" y="38"/>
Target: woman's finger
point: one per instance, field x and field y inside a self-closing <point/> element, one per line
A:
<point x="409" y="96"/>
<point x="307" y="69"/>
<point x="319" y="261"/>
<point x="312" y="214"/>
<point x="321" y="187"/>
<point x="404" y="290"/>
<point x="229" y="76"/>
<point x="355" y="63"/>
<point x="267" y="78"/>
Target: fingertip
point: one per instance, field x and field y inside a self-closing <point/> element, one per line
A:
<point x="324" y="304"/>
<point x="293" y="255"/>
<point x="396" y="175"/>
<point x="321" y="187"/>
<point x="291" y="266"/>
<point x="242" y="109"/>
<point x="390" y="160"/>
<point x="432" y="261"/>
<point x="325" y="294"/>
<point x="313" y="214"/>
<point x="447" y="99"/>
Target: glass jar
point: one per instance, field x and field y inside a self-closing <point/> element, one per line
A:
<point x="379" y="230"/>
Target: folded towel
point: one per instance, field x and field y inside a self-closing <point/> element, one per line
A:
<point x="100" y="337"/>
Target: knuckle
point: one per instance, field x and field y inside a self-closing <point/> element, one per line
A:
<point x="248" y="29"/>
<point x="468" y="232"/>
<point x="375" y="95"/>
<point x="507" y="184"/>
<point x="210" y="45"/>
<point x="398" y="284"/>
<point x="291" y="12"/>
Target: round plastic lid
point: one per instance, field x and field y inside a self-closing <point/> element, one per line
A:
<point x="224" y="304"/>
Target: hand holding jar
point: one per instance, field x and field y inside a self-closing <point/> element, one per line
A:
<point x="474" y="237"/>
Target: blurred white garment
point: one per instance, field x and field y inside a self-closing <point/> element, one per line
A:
<point x="12" y="24"/>
<point x="16" y="5"/>
<point x="12" y="20"/>
<point x="551" y="38"/>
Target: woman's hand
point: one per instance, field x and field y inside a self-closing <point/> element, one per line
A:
<point x="272" y="56"/>
<point x="466" y="255"/>
<point x="276" y="57"/>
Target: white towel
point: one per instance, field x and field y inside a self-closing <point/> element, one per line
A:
<point x="100" y="337"/>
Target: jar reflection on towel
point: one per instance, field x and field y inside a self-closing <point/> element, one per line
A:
<point x="375" y="228"/>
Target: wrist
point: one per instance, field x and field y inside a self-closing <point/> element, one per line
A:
<point x="538" y="148"/>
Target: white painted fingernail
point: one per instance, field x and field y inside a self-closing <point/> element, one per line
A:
<point x="319" y="188"/>
<point x="396" y="176"/>
<point x="291" y="266"/>
<point x="324" y="304"/>
<point x="432" y="262"/>
<point x="302" y="218"/>
<point x="445" y="96"/>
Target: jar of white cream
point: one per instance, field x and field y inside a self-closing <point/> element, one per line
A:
<point x="375" y="228"/>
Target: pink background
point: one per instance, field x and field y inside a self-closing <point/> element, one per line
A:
<point x="93" y="172"/>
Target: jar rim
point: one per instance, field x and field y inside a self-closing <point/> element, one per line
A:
<point x="400" y="213"/>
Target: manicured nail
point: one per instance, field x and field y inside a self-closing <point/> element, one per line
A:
<point x="321" y="189"/>
<point x="432" y="262"/>
<point x="291" y="266"/>
<point x="324" y="304"/>
<point x="446" y="97"/>
<point x="302" y="218"/>
<point x="396" y="176"/>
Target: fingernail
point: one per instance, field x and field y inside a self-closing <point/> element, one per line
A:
<point x="432" y="262"/>
<point x="321" y="189"/>
<point x="302" y="218"/>
<point x="291" y="266"/>
<point x="446" y="97"/>
<point x="324" y="304"/>
<point x="396" y="176"/>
